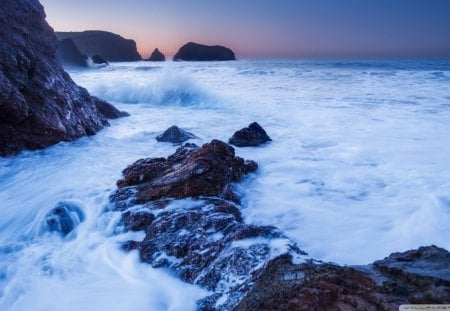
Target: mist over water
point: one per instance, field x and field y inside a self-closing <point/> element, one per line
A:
<point x="358" y="168"/>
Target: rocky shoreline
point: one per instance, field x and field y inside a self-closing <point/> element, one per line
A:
<point x="193" y="226"/>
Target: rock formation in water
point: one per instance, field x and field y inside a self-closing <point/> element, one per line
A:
<point x="97" y="59"/>
<point x="193" y="226"/>
<point x="199" y="52"/>
<point x="40" y="105"/>
<point x="157" y="56"/>
<point x="251" y="136"/>
<point x="175" y="135"/>
<point x="69" y="55"/>
<point x="108" y="45"/>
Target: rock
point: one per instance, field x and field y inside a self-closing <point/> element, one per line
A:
<point x="68" y="54"/>
<point x="413" y="277"/>
<point x="97" y="59"/>
<point x="157" y="56"/>
<point x="64" y="218"/>
<point x="136" y="221"/>
<point x="110" y="46"/>
<point x="175" y="135"/>
<point x="251" y="136"/>
<point x="109" y="111"/>
<point x="190" y="172"/>
<point x="199" y="52"/>
<point x="40" y="105"/>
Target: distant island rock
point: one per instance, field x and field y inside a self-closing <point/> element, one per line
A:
<point x="110" y="46"/>
<point x="68" y="54"/>
<point x="157" y="56"/>
<point x="199" y="52"/>
<point x="97" y="59"/>
<point x="40" y="105"/>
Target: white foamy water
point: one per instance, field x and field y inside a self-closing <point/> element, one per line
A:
<point x="359" y="167"/>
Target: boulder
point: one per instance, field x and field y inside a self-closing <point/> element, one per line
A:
<point x="40" y="105"/>
<point x="199" y="52"/>
<point x="64" y="218"/>
<point x="110" y="46"/>
<point x="97" y="59"/>
<point x="251" y="136"/>
<point x="175" y="135"/>
<point x="69" y="55"/>
<point x="157" y="56"/>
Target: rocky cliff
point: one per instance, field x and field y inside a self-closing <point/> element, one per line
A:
<point x="108" y="45"/>
<point x="69" y="55"/>
<point x="40" y="105"/>
<point x="199" y="52"/>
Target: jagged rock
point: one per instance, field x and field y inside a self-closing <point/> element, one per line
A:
<point x="109" y="111"/>
<point x="68" y="54"/>
<point x="64" y="218"/>
<point x="190" y="172"/>
<point x="136" y="221"/>
<point x="418" y="277"/>
<point x="97" y="59"/>
<point x="199" y="52"/>
<point x="110" y="46"/>
<point x="40" y="105"/>
<point x="251" y="136"/>
<point x="175" y="135"/>
<point x="157" y="56"/>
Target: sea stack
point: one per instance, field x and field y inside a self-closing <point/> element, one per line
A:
<point x="199" y="52"/>
<point x="40" y="105"/>
<point x="110" y="46"/>
<point x="157" y="56"/>
<point x="69" y="55"/>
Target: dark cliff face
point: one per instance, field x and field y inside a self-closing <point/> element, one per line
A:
<point x="199" y="52"/>
<point x="157" y="56"/>
<point x="108" y="45"/>
<point x="40" y="105"/>
<point x="68" y="54"/>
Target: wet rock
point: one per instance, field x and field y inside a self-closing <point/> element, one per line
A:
<point x="110" y="46"/>
<point x="136" y="221"/>
<point x="200" y="52"/>
<point x="40" y="105"/>
<point x="190" y="172"/>
<point x="175" y="135"/>
<point x="68" y="54"/>
<point x="97" y="59"/>
<point x="157" y="56"/>
<point x="109" y="111"/>
<point x="64" y="218"/>
<point x="251" y="136"/>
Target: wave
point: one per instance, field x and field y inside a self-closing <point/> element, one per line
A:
<point x="163" y="89"/>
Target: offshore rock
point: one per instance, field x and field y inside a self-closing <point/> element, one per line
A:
<point x="40" y="105"/>
<point x="251" y="136"/>
<point x="64" y="218"/>
<point x="97" y="59"/>
<point x="157" y="56"/>
<point x="68" y="54"/>
<point x="175" y="135"/>
<point x="200" y="52"/>
<point x="189" y="172"/>
<point x="110" y="46"/>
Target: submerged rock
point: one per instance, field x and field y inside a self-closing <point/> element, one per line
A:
<point x="64" y="218"/>
<point x="110" y="46"/>
<point x="157" y="56"/>
<point x="40" y="105"/>
<point x="200" y="52"/>
<point x="251" y="136"/>
<point x="68" y="54"/>
<point x="175" y="135"/>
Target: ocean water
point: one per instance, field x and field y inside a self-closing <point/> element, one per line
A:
<point x="359" y="167"/>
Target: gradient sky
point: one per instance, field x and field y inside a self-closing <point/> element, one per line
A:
<point x="268" y="28"/>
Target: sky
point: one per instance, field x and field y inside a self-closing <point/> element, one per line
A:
<point x="269" y="28"/>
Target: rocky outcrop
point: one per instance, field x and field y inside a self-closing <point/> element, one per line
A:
<point x="97" y="59"/>
<point x="199" y="52"/>
<point x="193" y="226"/>
<point x="110" y="46"/>
<point x="157" y="56"/>
<point x="69" y="55"/>
<point x="251" y="136"/>
<point x="39" y="103"/>
<point x="175" y="135"/>
<point x="64" y="218"/>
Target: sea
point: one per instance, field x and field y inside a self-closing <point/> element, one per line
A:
<point x="358" y="168"/>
